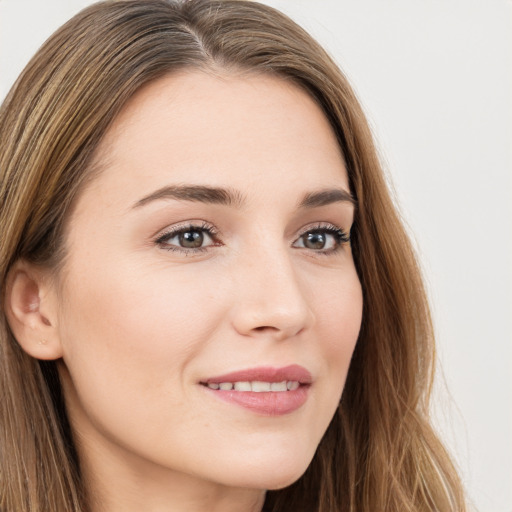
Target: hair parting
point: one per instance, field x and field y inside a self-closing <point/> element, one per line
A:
<point x="380" y="451"/>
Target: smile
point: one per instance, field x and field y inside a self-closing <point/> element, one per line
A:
<point x="267" y="391"/>
<point x="256" y="386"/>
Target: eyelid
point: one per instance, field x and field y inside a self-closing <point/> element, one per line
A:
<point x="323" y="226"/>
<point x="161" y="238"/>
<point x="343" y="237"/>
<point x="189" y="225"/>
<point x="184" y="225"/>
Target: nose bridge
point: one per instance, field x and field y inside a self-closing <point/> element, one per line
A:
<point x="272" y="300"/>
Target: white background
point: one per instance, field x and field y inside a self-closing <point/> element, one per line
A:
<point x="435" y="78"/>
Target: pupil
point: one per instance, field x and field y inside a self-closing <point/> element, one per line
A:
<point x="191" y="239"/>
<point x="315" y="240"/>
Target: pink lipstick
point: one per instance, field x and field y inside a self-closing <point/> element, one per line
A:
<point x="266" y="390"/>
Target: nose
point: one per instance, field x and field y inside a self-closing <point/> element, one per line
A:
<point x="271" y="299"/>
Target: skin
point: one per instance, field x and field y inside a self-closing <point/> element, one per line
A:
<point x="139" y="323"/>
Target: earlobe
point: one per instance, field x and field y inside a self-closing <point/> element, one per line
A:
<point x="31" y="312"/>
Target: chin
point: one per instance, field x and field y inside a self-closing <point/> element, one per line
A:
<point x="268" y="482"/>
<point x="273" y="473"/>
<point x="281" y="483"/>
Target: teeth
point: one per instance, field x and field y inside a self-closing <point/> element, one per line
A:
<point x="278" y="386"/>
<point x="260" y="387"/>
<point x="242" y="386"/>
<point x="255" y="386"/>
<point x="291" y="385"/>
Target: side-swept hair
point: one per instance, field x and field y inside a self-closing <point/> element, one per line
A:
<point x="379" y="452"/>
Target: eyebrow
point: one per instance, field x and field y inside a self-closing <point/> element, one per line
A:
<point x="230" y="197"/>
<point x="326" y="197"/>
<point x="196" y="193"/>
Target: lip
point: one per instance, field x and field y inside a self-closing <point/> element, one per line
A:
<point x="273" y="403"/>
<point x="265" y="373"/>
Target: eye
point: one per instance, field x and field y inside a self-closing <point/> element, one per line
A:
<point x="189" y="238"/>
<point x="327" y="238"/>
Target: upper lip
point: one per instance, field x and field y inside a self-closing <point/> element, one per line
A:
<point x="293" y="372"/>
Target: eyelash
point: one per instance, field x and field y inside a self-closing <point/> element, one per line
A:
<point x="203" y="227"/>
<point x="341" y="237"/>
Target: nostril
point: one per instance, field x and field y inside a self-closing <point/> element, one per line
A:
<point x="265" y="327"/>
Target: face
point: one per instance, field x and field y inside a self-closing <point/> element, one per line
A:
<point x="209" y="303"/>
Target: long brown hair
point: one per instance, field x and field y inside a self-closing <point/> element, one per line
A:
<point x="379" y="452"/>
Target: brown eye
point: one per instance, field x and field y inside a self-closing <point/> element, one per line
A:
<point x="191" y="239"/>
<point x="314" y="240"/>
<point x="322" y="239"/>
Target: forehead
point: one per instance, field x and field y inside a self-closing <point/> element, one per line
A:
<point x="220" y="130"/>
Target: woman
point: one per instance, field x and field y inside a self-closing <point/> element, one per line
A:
<point x="199" y="255"/>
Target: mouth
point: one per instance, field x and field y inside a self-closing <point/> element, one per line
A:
<point x="265" y="390"/>
<point x="256" y="386"/>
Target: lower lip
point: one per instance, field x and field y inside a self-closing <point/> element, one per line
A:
<point x="272" y="403"/>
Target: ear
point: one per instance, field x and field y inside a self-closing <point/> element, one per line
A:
<point x="31" y="309"/>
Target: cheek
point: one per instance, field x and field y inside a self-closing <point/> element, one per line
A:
<point x="343" y="315"/>
<point x="135" y="329"/>
<point x="129" y="349"/>
<point x="339" y="322"/>
<point x="338" y="310"/>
